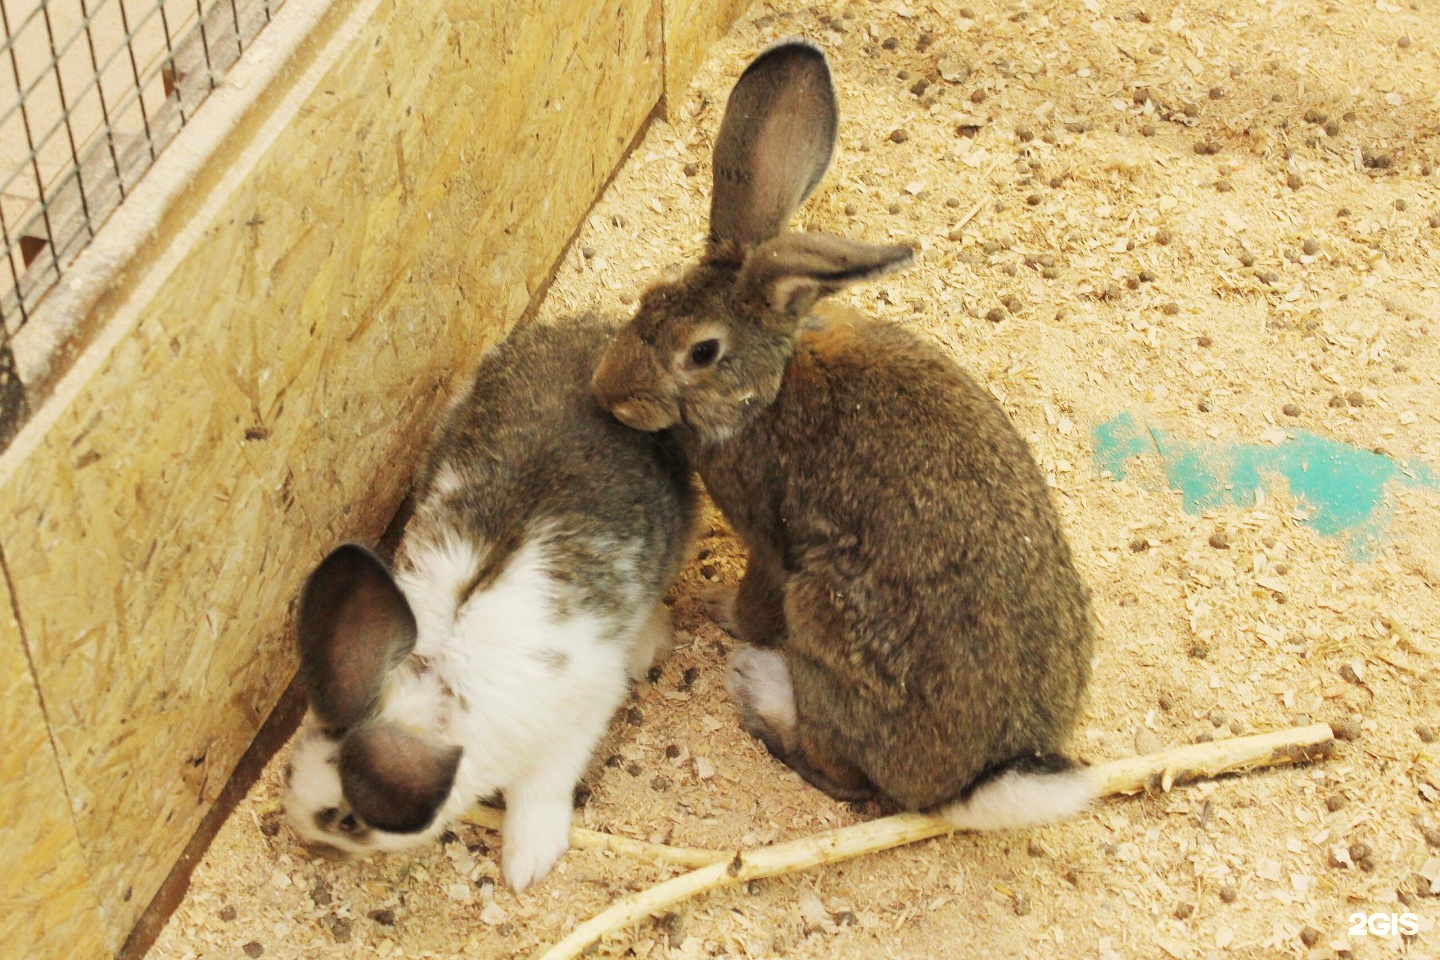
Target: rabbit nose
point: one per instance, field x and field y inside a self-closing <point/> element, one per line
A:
<point x="629" y="413"/>
<point x="645" y="413"/>
<point x="627" y="408"/>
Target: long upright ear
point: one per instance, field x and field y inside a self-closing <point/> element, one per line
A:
<point x="788" y="274"/>
<point x="774" y="144"/>
<point x="396" y="780"/>
<point x="355" y="626"/>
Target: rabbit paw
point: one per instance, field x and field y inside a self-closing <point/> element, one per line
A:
<point x="759" y="683"/>
<point x="534" y="841"/>
<point x="652" y="643"/>
<point x="719" y="605"/>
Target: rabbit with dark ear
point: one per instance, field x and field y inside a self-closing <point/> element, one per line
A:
<point x="917" y="631"/>
<point x="527" y="595"/>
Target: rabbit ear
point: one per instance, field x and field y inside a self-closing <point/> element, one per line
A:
<point x="774" y="144"/>
<point x="396" y="780"/>
<point x="791" y="272"/>
<point x="355" y="625"/>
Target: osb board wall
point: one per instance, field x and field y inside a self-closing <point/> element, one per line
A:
<point x="511" y="194"/>
<point x="43" y="889"/>
<point x="691" y="26"/>
<point x="268" y="402"/>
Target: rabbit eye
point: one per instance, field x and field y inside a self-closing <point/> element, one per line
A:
<point x="348" y="823"/>
<point x="704" y="353"/>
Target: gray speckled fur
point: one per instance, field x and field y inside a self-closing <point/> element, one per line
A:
<point x="527" y="445"/>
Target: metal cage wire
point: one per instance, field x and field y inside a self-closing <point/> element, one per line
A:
<point x="96" y="89"/>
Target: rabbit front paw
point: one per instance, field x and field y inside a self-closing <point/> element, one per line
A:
<point x="759" y="683"/>
<point x="534" y="840"/>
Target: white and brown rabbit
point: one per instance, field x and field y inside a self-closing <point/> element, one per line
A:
<point x="528" y="592"/>
<point x="918" y="632"/>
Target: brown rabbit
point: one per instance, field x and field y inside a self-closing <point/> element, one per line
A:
<point x="919" y="632"/>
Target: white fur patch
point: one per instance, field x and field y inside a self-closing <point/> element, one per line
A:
<point x="314" y="781"/>
<point x="525" y="692"/>
<point x="1018" y="801"/>
<point x="432" y="578"/>
<point x="760" y="681"/>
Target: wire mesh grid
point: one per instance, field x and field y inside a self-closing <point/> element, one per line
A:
<point x="90" y="92"/>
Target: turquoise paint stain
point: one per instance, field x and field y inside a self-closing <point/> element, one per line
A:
<point x="1341" y="486"/>
<point x="1117" y="440"/>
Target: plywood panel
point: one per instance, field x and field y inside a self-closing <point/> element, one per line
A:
<point x="524" y="186"/>
<point x="691" y="26"/>
<point x="271" y="398"/>
<point x="46" y="908"/>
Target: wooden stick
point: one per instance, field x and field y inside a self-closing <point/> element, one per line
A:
<point x="1201" y="761"/>
<point x="1155" y="771"/>
<point x="580" y="837"/>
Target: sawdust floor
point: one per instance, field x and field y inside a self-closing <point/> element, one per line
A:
<point x="1219" y="217"/>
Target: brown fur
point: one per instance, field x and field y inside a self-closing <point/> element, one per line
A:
<point x="905" y="553"/>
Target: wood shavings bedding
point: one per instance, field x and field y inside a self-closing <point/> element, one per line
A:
<point x="1061" y="170"/>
